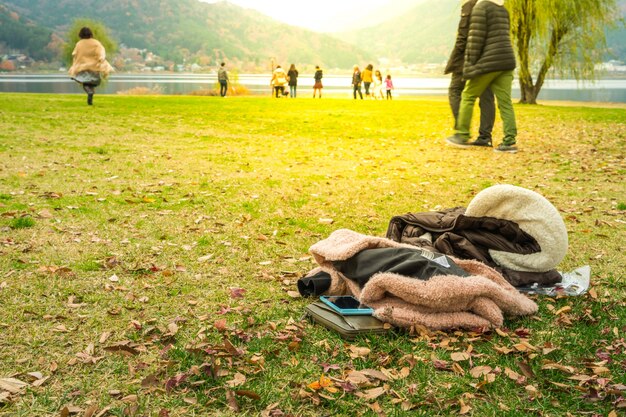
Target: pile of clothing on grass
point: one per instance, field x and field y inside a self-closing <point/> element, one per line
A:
<point x="457" y="268"/>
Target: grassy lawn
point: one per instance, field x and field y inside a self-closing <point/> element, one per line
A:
<point x="150" y="247"/>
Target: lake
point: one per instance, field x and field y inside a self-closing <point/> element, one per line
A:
<point x="258" y="84"/>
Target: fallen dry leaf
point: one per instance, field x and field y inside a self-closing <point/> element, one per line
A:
<point x="238" y="379"/>
<point x="12" y="385"/>
<point x="479" y="371"/>
<point x="459" y="356"/>
<point x="372" y="394"/>
<point x="358" y="352"/>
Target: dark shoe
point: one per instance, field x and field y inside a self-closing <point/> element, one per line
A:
<point x="506" y="148"/>
<point x="458" y="141"/>
<point x="482" y="142"/>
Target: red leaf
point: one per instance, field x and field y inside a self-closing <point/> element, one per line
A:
<point x="237" y="292"/>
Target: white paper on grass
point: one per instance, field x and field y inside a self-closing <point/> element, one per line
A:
<point x="574" y="283"/>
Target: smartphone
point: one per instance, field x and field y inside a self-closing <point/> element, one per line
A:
<point x="346" y="305"/>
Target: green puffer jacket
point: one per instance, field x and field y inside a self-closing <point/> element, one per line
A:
<point x="489" y="47"/>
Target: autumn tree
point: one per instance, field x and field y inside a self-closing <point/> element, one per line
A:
<point x="100" y="32"/>
<point x="563" y="38"/>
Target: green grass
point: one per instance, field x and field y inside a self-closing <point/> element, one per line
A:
<point x="145" y="212"/>
<point x="22" y="223"/>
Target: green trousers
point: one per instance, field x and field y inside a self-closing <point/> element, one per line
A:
<point x="500" y="83"/>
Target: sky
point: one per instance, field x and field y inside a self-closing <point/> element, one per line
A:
<point x="324" y="15"/>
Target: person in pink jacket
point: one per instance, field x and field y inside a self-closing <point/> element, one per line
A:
<point x="389" y="86"/>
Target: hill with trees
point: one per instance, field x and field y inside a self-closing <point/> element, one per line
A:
<point x="18" y="33"/>
<point x="426" y="34"/>
<point x="192" y="31"/>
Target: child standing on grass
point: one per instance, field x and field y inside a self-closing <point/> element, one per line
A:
<point x="318" y="81"/>
<point x="389" y="86"/>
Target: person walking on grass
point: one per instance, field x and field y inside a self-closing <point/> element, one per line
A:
<point x="318" y="81"/>
<point x="89" y="64"/>
<point x="356" y="82"/>
<point x="377" y="90"/>
<point x="279" y="81"/>
<point x="292" y="76"/>
<point x="389" y="86"/>
<point x="489" y="63"/>
<point x="457" y="83"/>
<point x="368" y="78"/>
<point x="222" y="77"/>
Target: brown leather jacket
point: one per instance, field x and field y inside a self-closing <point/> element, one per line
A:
<point x="452" y="233"/>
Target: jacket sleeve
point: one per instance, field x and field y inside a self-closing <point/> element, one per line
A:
<point x="101" y="53"/>
<point x="477" y="35"/>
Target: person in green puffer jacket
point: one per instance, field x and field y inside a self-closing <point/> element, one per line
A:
<point x="489" y="63"/>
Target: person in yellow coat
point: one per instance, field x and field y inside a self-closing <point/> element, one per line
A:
<point x="367" y="78"/>
<point x="89" y="64"/>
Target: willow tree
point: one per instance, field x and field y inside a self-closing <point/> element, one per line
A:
<point x="562" y="38"/>
<point x="99" y="31"/>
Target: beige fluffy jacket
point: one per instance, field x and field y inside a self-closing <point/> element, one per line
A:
<point x="89" y="55"/>
<point x="442" y="302"/>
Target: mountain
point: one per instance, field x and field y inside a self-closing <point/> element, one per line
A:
<point x="190" y="29"/>
<point x="24" y="35"/>
<point x="413" y="32"/>
<point x="425" y="34"/>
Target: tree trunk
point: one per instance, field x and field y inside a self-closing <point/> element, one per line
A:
<point x="524" y="34"/>
<point x="528" y="93"/>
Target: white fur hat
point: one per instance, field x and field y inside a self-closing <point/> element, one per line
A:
<point x="534" y="215"/>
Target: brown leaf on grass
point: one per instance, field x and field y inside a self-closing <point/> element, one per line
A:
<point x="464" y="408"/>
<point x="373" y="373"/>
<point x="40" y="381"/>
<point x="357" y="378"/>
<point x="122" y="348"/>
<point x="60" y="329"/>
<point x="45" y="214"/>
<point x="526" y="369"/>
<point x="232" y="401"/>
<point x="70" y="409"/>
<point x="172" y="329"/>
<point x="249" y="394"/>
<point x="372" y="394"/>
<point x="238" y="379"/>
<point x="459" y="356"/>
<point x="104" y="411"/>
<point x="356" y="352"/>
<point x="220" y="325"/>
<point x="519" y="379"/>
<point x="503" y="349"/>
<point x="458" y="369"/>
<point x="479" y="371"/>
<point x="558" y="366"/>
<point x="90" y="411"/>
<point x="72" y="302"/>
<point x="104" y="336"/>
<point x="150" y="381"/>
<point x="12" y="385"/>
<point x="175" y="381"/>
<point x="237" y="292"/>
<point x="563" y="310"/>
<point x="231" y="349"/>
